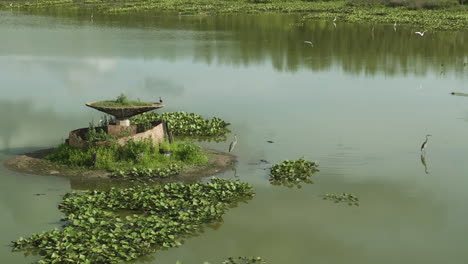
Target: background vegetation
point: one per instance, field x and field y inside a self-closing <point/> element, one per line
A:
<point x="443" y="14"/>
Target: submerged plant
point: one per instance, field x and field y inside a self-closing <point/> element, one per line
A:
<point x="348" y="198"/>
<point x="186" y="124"/>
<point x="156" y="217"/>
<point x="292" y="172"/>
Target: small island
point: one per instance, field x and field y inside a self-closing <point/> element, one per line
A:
<point x="129" y="143"/>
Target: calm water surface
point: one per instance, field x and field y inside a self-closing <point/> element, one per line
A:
<point x="360" y="101"/>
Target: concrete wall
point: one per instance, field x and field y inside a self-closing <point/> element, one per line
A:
<point x="156" y="134"/>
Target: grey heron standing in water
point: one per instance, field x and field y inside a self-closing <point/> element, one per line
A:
<point x="233" y="144"/>
<point x="424" y="144"/>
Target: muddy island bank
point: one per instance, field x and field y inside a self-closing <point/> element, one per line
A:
<point x="129" y="144"/>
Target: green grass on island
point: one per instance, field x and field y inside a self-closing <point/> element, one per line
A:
<point x="137" y="159"/>
<point x="426" y="14"/>
<point x="121" y="101"/>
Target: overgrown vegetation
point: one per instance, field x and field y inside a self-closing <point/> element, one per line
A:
<point x="292" y="172"/>
<point x="121" y="101"/>
<point x="136" y="158"/>
<point x="157" y="217"/>
<point x="348" y="198"/>
<point x="96" y="134"/>
<point x="430" y="14"/>
<point x="186" y="124"/>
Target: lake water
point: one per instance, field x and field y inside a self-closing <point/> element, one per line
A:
<point x="360" y="101"/>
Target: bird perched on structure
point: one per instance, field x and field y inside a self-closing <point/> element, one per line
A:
<point x="420" y="33"/>
<point x="424" y="144"/>
<point x="233" y="144"/>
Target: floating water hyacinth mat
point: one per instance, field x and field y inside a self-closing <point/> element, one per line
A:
<point x="348" y="198"/>
<point x="244" y="260"/>
<point x="124" y="224"/>
<point x="239" y="260"/>
<point x="186" y="124"/>
<point x="292" y="172"/>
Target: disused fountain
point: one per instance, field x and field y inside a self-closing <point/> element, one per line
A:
<point x="121" y="131"/>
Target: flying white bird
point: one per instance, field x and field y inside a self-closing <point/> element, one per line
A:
<point x="420" y="33"/>
<point x="309" y="42"/>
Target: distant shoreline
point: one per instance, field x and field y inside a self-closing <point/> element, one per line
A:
<point x="452" y="17"/>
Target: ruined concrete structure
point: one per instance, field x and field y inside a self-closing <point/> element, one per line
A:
<point x="123" y="131"/>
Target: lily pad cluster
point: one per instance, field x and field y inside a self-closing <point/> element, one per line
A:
<point x="139" y="173"/>
<point x="186" y="124"/>
<point x="348" y="198"/>
<point x="123" y="224"/>
<point x="292" y="172"/>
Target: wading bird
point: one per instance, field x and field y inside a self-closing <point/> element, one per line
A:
<point x="420" y="33"/>
<point x="160" y="100"/>
<point x="424" y="144"/>
<point x="309" y="42"/>
<point x="394" y="26"/>
<point x="233" y="144"/>
<point x="334" y="20"/>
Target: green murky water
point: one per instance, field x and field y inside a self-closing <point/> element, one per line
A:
<point x="360" y="101"/>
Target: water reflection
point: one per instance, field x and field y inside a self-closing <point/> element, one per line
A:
<point x="243" y="40"/>
<point x="423" y="161"/>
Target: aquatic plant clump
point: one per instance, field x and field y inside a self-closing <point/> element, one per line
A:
<point x="244" y="260"/>
<point x="139" y="173"/>
<point x="157" y="217"/>
<point x="121" y="101"/>
<point x="239" y="260"/>
<point x="186" y="124"/>
<point x="292" y="172"/>
<point x="348" y="198"/>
